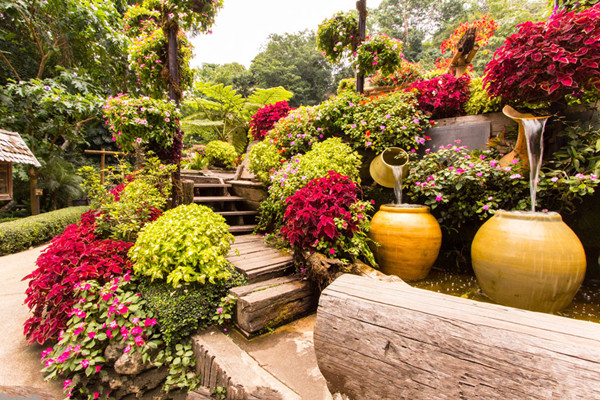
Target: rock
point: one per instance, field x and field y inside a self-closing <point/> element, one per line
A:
<point x="130" y="364"/>
<point x="113" y="351"/>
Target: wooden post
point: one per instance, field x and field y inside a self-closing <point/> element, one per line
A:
<point x="174" y="95"/>
<point x="361" y="6"/>
<point x="103" y="154"/>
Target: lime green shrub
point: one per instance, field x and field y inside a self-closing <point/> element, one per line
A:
<point x="21" y="234"/>
<point x="479" y="101"/>
<point x="263" y="158"/>
<point x="330" y="155"/>
<point x="188" y="243"/>
<point x="221" y="154"/>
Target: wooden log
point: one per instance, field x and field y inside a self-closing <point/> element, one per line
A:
<point x="380" y="340"/>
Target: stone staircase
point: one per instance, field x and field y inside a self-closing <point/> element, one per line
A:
<point x="216" y="193"/>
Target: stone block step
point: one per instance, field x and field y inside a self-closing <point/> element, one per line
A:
<point x="216" y="199"/>
<point x="211" y="185"/>
<point x="268" y="304"/>
<point x="237" y="213"/>
<point x="241" y="229"/>
<point x="221" y="363"/>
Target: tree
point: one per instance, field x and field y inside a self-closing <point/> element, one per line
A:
<point x="292" y="61"/>
<point x="232" y="74"/>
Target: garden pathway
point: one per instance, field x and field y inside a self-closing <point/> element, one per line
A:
<point x="20" y="376"/>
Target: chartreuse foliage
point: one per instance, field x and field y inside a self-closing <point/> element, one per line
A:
<point x="220" y="154"/>
<point x="263" y="159"/>
<point x="23" y="233"/>
<point x="187" y="244"/>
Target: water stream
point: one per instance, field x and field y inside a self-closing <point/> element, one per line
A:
<point x="534" y="133"/>
<point x="397" y="171"/>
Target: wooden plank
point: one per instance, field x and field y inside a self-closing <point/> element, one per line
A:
<point x="259" y="256"/>
<point x="247" y="248"/>
<point x="241" y="228"/>
<point x="216" y="199"/>
<point x="211" y="185"/>
<point x="247" y="238"/>
<point x="236" y="213"/>
<point x="240" y="291"/>
<point x="388" y="341"/>
<point x="264" y="273"/>
<point x="263" y="263"/>
<point x="280" y="301"/>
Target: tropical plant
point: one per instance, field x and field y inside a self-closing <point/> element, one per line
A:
<point x="338" y="36"/>
<point x="220" y="111"/>
<point x="547" y="61"/>
<point x="295" y="133"/>
<point x="327" y="216"/>
<point x="186" y="244"/>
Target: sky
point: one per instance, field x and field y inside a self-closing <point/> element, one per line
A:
<point x="242" y="27"/>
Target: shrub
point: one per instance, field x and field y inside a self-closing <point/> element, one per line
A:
<point x="221" y="154"/>
<point x="188" y="243"/>
<point x="444" y="96"/>
<point x="547" y="61"/>
<point x="327" y="216"/>
<point x="263" y="159"/>
<point x="265" y="118"/>
<point x="182" y="311"/>
<point x="347" y="84"/>
<point x="378" y="52"/>
<point x="23" y="233"/>
<point x="479" y="101"/>
<point x="74" y="256"/>
<point x="295" y="133"/>
<point x="406" y="73"/>
<point x="330" y="155"/>
<point x="112" y="314"/>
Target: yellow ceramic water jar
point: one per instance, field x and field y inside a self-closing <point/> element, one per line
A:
<point x="528" y="260"/>
<point x="409" y="237"/>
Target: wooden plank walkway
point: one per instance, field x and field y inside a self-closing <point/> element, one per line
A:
<point x="258" y="261"/>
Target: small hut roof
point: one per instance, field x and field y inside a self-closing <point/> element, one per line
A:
<point x="14" y="150"/>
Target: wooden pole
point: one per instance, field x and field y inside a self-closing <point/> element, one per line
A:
<point x="103" y="153"/>
<point x="174" y="95"/>
<point x="361" y="6"/>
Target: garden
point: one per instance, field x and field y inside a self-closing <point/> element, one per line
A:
<point x="127" y="279"/>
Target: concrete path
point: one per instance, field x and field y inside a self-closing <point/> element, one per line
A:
<point x="20" y="376"/>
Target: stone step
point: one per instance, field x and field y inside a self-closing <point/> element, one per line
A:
<point x="217" y="199"/>
<point x="241" y="229"/>
<point x="211" y="185"/>
<point x="221" y="363"/>
<point x="237" y="213"/>
<point x="268" y="304"/>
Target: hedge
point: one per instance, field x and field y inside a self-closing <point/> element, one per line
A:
<point x="24" y="233"/>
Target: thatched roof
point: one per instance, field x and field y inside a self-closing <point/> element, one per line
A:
<point x="14" y="150"/>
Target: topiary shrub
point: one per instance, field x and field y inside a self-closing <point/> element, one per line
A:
<point x="23" y="233"/>
<point x="330" y="155"/>
<point x="182" y="311"/>
<point x="186" y="244"/>
<point x="220" y="154"/>
<point x="263" y="159"/>
<point x="76" y="255"/>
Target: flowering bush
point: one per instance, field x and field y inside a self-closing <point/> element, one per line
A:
<point x="112" y="314"/>
<point x="547" y="61"/>
<point x="444" y="96"/>
<point x="76" y="255"/>
<point x="479" y="101"/>
<point x="384" y="121"/>
<point x="379" y="52"/>
<point x="263" y="160"/>
<point x="138" y="121"/>
<point x="295" y="133"/>
<point x="188" y="243"/>
<point x="406" y="73"/>
<point x="486" y="26"/>
<point x="327" y="216"/>
<point x="265" y="118"/>
<point x="330" y="155"/>
<point x="137" y="200"/>
<point x="220" y="154"/>
<point x="338" y="36"/>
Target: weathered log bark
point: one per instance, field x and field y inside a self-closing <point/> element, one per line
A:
<point x="378" y="340"/>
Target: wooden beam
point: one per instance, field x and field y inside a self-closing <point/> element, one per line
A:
<point x="379" y="340"/>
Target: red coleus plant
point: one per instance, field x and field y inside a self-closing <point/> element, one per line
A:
<point x="547" y="61"/>
<point x="74" y="256"/>
<point x="327" y="215"/>
<point x="443" y="96"/>
<point x="266" y="117"/>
